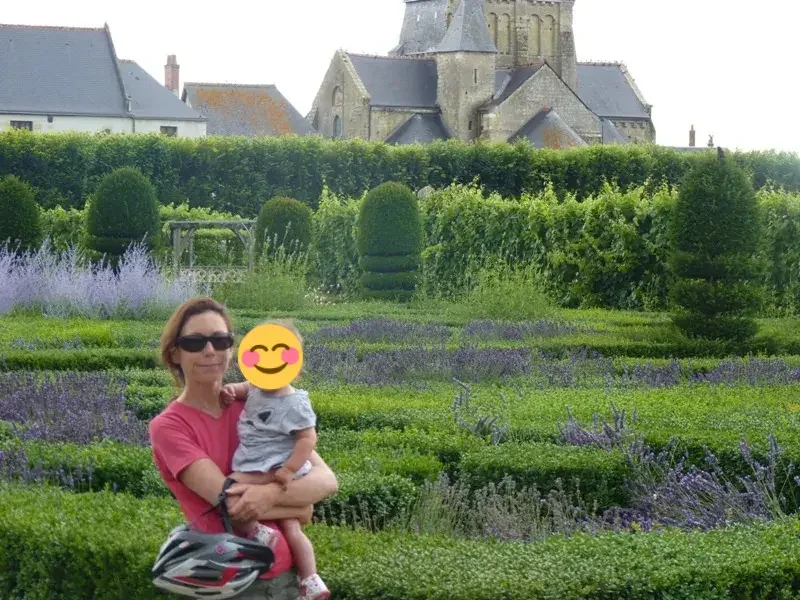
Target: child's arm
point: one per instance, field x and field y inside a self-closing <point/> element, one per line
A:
<point x="240" y="390"/>
<point x="305" y="442"/>
<point x="234" y="391"/>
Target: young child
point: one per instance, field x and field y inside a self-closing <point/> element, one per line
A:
<point x="277" y="435"/>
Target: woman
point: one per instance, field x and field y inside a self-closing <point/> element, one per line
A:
<point x="194" y="439"/>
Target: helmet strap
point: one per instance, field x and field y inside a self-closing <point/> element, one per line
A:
<point x="222" y="505"/>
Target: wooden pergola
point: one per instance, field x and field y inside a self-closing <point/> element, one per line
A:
<point x="182" y="235"/>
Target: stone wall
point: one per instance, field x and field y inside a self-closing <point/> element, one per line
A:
<point x="342" y="106"/>
<point x="638" y="132"/>
<point x="466" y="81"/>
<point x="383" y="121"/>
<point x="543" y="89"/>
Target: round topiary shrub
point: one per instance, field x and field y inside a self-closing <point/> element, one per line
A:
<point x="124" y="210"/>
<point x="283" y="222"/>
<point x="716" y="229"/>
<point x="389" y="241"/>
<point x="21" y="221"/>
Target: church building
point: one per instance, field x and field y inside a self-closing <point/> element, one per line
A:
<point x="495" y="70"/>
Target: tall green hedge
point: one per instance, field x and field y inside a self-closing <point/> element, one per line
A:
<point x="21" y="221"/>
<point x="716" y="231"/>
<point x="123" y="211"/>
<point x="389" y="239"/>
<point x="235" y="174"/>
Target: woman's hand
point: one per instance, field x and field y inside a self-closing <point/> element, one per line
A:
<point x="248" y="502"/>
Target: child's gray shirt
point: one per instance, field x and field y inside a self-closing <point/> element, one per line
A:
<point x="266" y="427"/>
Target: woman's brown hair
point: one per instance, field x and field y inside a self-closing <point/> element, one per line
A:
<point x="172" y="330"/>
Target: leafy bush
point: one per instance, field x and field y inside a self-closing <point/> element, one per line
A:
<point x="283" y="222"/>
<point x="124" y="211"/>
<point x="608" y="250"/>
<point x="278" y="282"/>
<point x="716" y="232"/>
<point x="389" y="240"/>
<point x="780" y="250"/>
<point x="64" y="228"/>
<point x="335" y="257"/>
<point x="503" y="292"/>
<point x="21" y="222"/>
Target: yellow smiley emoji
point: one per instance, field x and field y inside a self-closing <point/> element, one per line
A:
<point x="270" y="356"/>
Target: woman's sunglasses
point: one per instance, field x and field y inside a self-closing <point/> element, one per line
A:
<point x="196" y="343"/>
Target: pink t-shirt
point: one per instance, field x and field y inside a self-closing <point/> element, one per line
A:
<point x="182" y="434"/>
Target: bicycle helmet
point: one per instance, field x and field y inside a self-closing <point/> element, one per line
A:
<point x="210" y="565"/>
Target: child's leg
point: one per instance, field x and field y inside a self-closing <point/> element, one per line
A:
<point x="302" y="550"/>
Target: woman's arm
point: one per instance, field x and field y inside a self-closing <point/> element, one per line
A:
<point x="270" y="502"/>
<point x="319" y="484"/>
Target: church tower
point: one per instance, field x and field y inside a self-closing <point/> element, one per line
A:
<point x="525" y="31"/>
<point x="466" y="63"/>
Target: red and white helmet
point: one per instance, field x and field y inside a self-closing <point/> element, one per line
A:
<point x="209" y="565"/>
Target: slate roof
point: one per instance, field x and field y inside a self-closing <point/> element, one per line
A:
<point x="612" y="135"/>
<point x="75" y="71"/>
<point x="152" y="100"/>
<point x="548" y="130"/>
<point x="423" y="26"/>
<point x="507" y="81"/>
<point x="421" y="128"/>
<point x="59" y="71"/>
<point x="608" y="93"/>
<point x="397" y="82"/>
<point x="468" y="31"/>
<point x="247" y="110"/>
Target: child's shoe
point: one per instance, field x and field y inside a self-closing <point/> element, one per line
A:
<point x="265" y="535"/>
<point x="313" y="588"/>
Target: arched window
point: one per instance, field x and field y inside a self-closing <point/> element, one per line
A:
<point x="504" y="35"/>
<point x="337" y="127"/>
<point x="337" y="98"/>
<point x="534" y="37"/>
<point x="549" y="36"/>
<point x="492" y="21"/>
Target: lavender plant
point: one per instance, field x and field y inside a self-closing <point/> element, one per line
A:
<point x="69" y="407"/>
<point x="603" y="435"/>
<point x="15" y="466"/>
<point x="510" y="330"/>
<point x="667" y="492"/>
<point x="409" y="365"/>
<point x="494" y="427"/>
<point x="383" y="330"/>
<point x="65" y="284"/>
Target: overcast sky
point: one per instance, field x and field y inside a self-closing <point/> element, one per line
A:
<point x="716" y="64"/>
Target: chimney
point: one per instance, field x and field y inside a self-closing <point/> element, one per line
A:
<point x="691" y="137"/>
<point x="172" y="74"/>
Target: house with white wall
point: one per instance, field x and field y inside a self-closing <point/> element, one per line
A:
<point x="59" y="79"/>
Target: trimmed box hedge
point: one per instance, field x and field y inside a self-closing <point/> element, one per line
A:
<point x="373" y="477"/>
<point x="73" y="547"/>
